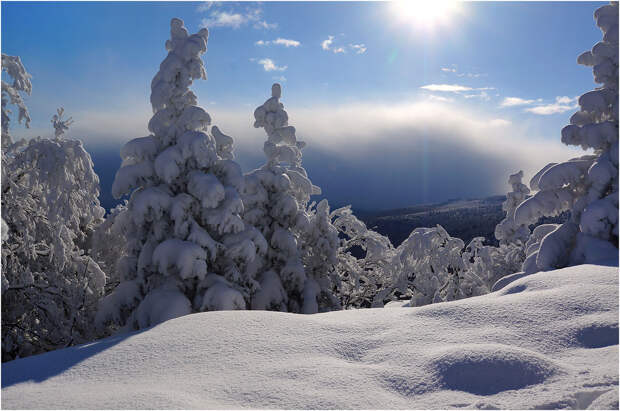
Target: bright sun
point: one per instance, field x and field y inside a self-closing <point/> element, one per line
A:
<point x="426" y="15"/>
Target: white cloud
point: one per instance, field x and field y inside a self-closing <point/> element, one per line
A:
<point x="561" y="105"/>
<point x="359" y="48"/>
<point x="326" y="44"/>
<point x="451" y="88"/>
<point x="453" y="69"/>
<point x="205" y="6"/>
<point x="440" y="98"/>
<point x="279" y="41"/>
<point x="470" y="75"/>
<point x="565" y="99"/>
<point x="286" y="42"/>
<point x="426" y="145"/>
<point x="279" y="78"/>
<point x="270" y="65"/>
<point x="516" y="101"/>
<point x="483" y="95"/>
<point x="500" y="122"/>
<point x="235" y="20"/>
<point x="224" y="19"/>
<point x="262" y="24"/>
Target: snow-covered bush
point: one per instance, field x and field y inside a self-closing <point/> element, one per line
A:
<point x="433" y="264"/>
<point x="587" y="185"/>
<point x="362" y="278"/>
<point x="50" y="287"/>
<point x="60" y="125"/>
<point x="111" y="232"/>
<point x="508" y="231"/>
<point x="429" y="266"/>
<point x="11" y="94"/>
<point x="298" y="273"/>
<point x="187" y="246"/>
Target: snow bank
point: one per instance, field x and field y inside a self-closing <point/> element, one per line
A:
<point x="549" y="340"/>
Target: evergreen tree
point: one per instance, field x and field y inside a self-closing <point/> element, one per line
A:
<point x="188" y="248"/>
<point x="292" y="276"/>
<point x="587" y="185"/>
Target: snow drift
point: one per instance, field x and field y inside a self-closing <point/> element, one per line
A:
<point x="548" y="340"/>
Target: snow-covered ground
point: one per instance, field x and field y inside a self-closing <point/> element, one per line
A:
<point x="549" y="340"/>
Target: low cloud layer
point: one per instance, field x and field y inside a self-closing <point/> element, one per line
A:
<point x="377" y="156"/>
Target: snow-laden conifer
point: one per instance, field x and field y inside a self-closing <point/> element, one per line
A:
<point x="187" y="246"/>
<point x="587" y="186"/>
<point x="298" y="272"/>
<point x="13" y="66"/>
<point x="50" y="286"/>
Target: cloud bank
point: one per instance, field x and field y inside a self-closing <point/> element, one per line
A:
<point x="386" y="156"/>
<point x="376" y="156"/>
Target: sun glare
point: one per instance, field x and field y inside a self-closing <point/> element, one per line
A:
<point x="425" y="15"/>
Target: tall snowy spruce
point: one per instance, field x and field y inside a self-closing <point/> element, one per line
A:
<point x="587" y="185"/>
<point x="50" y="207"/>
<point x="298" y="273"/>
<point x="188" y="248"/>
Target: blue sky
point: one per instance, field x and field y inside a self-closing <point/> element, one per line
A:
<point x="397" y="107"/>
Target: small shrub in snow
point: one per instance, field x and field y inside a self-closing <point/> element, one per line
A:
<point x="187" y="246"/>
<point x="587" y="185"/>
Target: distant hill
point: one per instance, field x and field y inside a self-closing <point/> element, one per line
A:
<point x="462" y="218"/>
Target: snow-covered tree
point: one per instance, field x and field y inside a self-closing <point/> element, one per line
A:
<point x="430" y="266"/>
<point x="433" y="264"/>
<point x="50" y="287"/>
<point x="320" y="245"/>
<point x="587" y="186"/>
<point x="11" y="94"/>
<point x="362" y="277"/>
<point x="60" y="125"/>
<point x="111" y="231"/>
<point x="297" y="273"/>
<point x="508" y="231"/>
<point x="187" y="247"/>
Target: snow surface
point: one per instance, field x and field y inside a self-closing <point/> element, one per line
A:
<point x="547" y="340"/>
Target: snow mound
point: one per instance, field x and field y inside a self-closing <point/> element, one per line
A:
<point x="547" y="340"/>
<point x="485" y="369"/>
